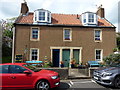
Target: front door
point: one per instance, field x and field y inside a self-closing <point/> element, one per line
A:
<point x="56" y="57"/>
<point x="76" y="53"/>
<point x="66" y="57"/>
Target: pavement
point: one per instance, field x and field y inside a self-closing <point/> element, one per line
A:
<point x="75" y="74"/>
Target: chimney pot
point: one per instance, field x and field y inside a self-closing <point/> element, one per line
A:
<point x="77" y="16"/>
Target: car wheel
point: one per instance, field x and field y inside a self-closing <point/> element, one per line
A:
<point x="42" y="85"/>
<point x="117" y="82"/>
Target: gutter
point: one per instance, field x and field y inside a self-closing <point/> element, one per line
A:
<point x="61" y="25"/>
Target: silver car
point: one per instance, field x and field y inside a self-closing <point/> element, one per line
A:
<point x="108" y="76"/>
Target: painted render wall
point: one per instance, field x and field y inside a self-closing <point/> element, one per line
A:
<point x="53" y="36"/>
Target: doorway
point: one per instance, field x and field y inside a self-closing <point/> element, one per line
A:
<point x="66" y="57"/>
<point x="56" y="57"/>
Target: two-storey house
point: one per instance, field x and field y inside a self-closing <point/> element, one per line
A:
<point x="41" y="35"/>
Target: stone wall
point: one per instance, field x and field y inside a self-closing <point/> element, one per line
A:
<point x="84" y="71"/>
<point x="63" y="72"/>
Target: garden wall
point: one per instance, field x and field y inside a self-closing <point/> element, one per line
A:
<point x="63" y="72"/>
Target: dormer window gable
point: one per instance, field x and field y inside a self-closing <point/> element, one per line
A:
<point x="89" y="19"/>
<point x="42" y="16"/>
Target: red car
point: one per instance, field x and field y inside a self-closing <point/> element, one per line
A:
<point x="25" y="76"/>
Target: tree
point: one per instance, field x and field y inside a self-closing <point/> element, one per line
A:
<point x="7" y="36"/>
<point x="8" y="33"/>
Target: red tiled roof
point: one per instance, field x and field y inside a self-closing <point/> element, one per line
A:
<point x="63" y="19"/>
<point x="26" y="19"/>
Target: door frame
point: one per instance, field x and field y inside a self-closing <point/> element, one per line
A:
<point x="71" y="53"/>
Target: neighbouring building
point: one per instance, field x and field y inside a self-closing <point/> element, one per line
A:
<point x="41" y="35"/>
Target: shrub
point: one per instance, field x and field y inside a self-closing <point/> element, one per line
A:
<point x="112" y="58"/>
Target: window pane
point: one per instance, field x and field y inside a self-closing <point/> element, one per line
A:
<point x="17" y="69"/>
<point x="48" y="17"/>
<point x="84" y="20"/>
<point x="34" y="55"/>
<point x="67" y="34"/>
<point x="41" y="15"/>
<point x="97" y="34"/>
<point x="4" y="68"/>
<point x="90" y="17"/>
<point x="35" y="33"/>
<point x="98" y="55"/>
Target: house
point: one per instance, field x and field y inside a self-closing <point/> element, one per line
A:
<point x="42" y="35"/>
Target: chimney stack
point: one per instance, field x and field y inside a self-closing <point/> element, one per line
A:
<point x="24" y="8"/>
<point x="100" y="12"/>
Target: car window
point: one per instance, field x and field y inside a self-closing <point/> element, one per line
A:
<point x="31" y="67"/>
<point x="4" y="68"/>
<point x="16" y="69"/>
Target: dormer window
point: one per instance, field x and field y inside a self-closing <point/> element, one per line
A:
<point x="89" y="19"/>
<point x="42" y="16"/>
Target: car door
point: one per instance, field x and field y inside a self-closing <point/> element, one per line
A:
<point x="20" y="79"/>
<point x="5" y="76"/>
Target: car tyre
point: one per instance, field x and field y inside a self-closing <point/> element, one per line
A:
<point x="42" y="85"/>
<point x="117" y="82"/>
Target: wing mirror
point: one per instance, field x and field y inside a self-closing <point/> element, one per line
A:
<point x="27" y="72"/>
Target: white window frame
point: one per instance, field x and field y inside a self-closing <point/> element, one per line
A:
<point x="91" y="18"/>
<point x="31" y="53"/>
<point x="101" y="55"/>
<point x="31" y="33"/>
<point x="85" y="19"/>
<point x="37" y="14"/>
<point x="42" y="16"/>
<point x="64" y="34"/>
<point x="97" y="37"/>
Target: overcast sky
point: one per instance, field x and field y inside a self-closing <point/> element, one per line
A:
<point x="11" y="8"/>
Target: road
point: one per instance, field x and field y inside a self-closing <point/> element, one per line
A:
<point x="82" y="84"/>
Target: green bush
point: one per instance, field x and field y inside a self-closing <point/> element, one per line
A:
<point x="7" y="59"/>
<point x="111" y="59"/>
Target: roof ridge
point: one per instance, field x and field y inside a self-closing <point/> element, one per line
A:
<point x="65" y="14"/>
<point x="56" y="13"/>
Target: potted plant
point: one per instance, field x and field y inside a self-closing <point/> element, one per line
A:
<point x="61" y="64"/>
<point x="73" y="62"/>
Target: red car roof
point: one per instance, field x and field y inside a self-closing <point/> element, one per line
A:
<point x="13" y="64"/>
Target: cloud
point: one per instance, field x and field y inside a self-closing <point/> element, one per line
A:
<point x="9" y="9"/>
<point x="47" y="3"/>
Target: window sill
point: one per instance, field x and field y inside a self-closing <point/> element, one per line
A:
<point x="67" y="40"/>
<point x="34" y="39"/>
<point x="98" y="41"/>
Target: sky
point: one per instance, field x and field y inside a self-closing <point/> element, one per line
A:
<point x="11" y="8"/>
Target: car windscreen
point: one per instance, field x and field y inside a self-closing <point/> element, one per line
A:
<point x="32" y="67"/>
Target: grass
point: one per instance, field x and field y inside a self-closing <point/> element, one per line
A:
<point x="7" y="59"/>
